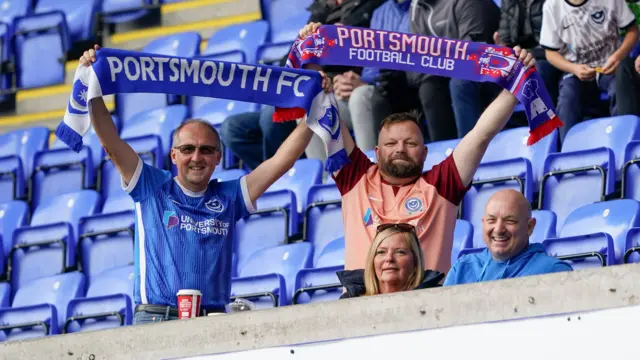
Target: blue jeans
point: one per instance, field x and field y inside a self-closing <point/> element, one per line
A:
<point x="469" y="99"/>
<point x="143" y="317"/>
<point x="575" y="95"/>
<point x="254" y="137"/>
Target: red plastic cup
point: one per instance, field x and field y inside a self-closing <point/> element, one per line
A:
<point x="189" y="303"/>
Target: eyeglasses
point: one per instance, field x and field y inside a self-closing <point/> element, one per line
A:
<point x="190" y="149"/>
<point x="401" y="227"/>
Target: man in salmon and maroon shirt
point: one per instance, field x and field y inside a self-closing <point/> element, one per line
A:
<point x="396" y="191"/>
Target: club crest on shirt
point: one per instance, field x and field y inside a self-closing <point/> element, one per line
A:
<point x="413" y="205"/>
<point x="214" y="205"/>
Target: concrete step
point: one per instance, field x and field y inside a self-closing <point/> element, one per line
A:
<point x="187" y="12"/>
<point x="45" y="99"/>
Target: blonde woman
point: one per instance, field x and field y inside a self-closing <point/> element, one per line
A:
<point x="394" y="263"/>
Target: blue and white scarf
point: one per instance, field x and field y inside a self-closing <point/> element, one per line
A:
<point x="352" y="46"/>
<point x="293" y="91"/>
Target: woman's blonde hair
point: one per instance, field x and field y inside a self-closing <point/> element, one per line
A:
<point x="411" y="240"/>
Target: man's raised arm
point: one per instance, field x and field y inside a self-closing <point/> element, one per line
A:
<point x="472" y="147"/>
<point x="123" y="156"/>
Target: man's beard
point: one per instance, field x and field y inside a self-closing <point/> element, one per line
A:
<point x="405" y="170"/>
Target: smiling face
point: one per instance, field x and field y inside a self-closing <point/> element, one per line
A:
<point x="394" y="262"/>
<point x="196" y="153"/>
<point x="507" y="224"/>
<point x="401" y="151"/>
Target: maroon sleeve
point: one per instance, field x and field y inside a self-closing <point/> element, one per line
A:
<point x="446" y="179"/>
<point x="351" y="173"/>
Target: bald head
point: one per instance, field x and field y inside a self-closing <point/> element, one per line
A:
<point x="512" y="197"/>
<point x="507" y="224"/>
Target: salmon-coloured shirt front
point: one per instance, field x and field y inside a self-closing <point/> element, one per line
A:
<point x="430" y="204"/>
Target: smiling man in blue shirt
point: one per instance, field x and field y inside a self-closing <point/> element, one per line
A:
<point x="184" y="225"/>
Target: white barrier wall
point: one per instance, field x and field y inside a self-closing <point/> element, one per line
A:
<point x="605" y="334"/>
<point x="443" y="308"/>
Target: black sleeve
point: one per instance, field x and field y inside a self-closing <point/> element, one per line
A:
<point x="503" y="29"/>
<point x="477" y="20"/>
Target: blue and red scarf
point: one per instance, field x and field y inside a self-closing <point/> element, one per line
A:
<point x="351" y="46"/>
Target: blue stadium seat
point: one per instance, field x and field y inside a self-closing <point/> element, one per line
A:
<point x="612" y="217"/>
<point x="48" y="246"/>
<point x="15" y="8"/>
<point x="272" y="227"/>
<point x="272" y="273"/>
<point x="39" y="308"/>
<point x="228" y="175"/>
<point x="92" y="141"/>
<point x="490" y="178"/>
<point x="632" y="247"/>
<point x="33" y="34"/>
<point x="108" y="303"/>
<point x="139" y="130"/>
<point x="512" y="143"/>
<point x="80" y="15"/>
<point x="281" y="201"/>
<point x="120" y="11"/>
<point x="185" y="44"/>
<point x="437" y="151"/>
<point x="5" y="295"/>
<point x="244" y="38"/>
<point x="60" y="171"/>
<point x="13" y="214"/>
<point x="282" y="36"/>
<point x="462" y="238"/>
<point x="317" y="285"/>
<point x="105" y="242"/>
<point x="611" y="132"/>
<point x="5" y="56"/>
<point x="331" y="254"/>
<point x="583" y="251"/>
<point x="299" y="179"/>
<point x="115" y="204"/>
<point x="575" y="179"/>
<point x="545" y="226"/>
<point x="214" y="111"/>
<point x="285" y="17"/>
<point x="17" y="149"/>
<point x="631" y="171"/>
<point x="323" y="220"/>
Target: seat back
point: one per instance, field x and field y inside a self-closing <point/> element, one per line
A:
<point x="67" y="208"/>
<point x="512" y="143"/>
<point x="325" y="276"/>
<point x="565" y="192"/>
<point x="631" y="171"/>
<point x="613" y="217"/>
<point x="113" y="204"/>
<point x="13" y="214"/>
<point x="244" y="38"/>
<point x="330" y="255"/>
<point x="161" y="122"/>
<point x="215" y="111"/>
<point x="24" y="143"/>
<point x="105" y="242"/>
<point x="462" y="238"/>
<point x="11" y="9"/>
<point x="583" y="251"/>
<point x="185" y="44"/>
<point x="5" y="295"/>
<point x="632" y="248"/>
<point x="437" y="151"/>
<point x="61" y="171"/>
<point x="284" y="16"/>
<point x="285" y="260"/>
<point x="304" y="174"/>
<point x="228" y="175"/>
<point x="42" y="39"/>
<point x="56" y="290"/>
<point x="545" y="226"/>
<point x="324" y="224"/>
<point x="613" y="132"/>
<point x="273" y="230"/>
<point x="80" y="15"/>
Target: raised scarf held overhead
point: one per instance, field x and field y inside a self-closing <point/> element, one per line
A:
<point x="120" y="71"/>
<point x="350" y="46"/>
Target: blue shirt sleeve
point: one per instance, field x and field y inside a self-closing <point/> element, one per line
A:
<point x="369" y="75"/>
<point x="145" y="181"/>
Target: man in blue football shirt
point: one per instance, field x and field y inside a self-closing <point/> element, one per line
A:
<point x="185" y="224"/>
